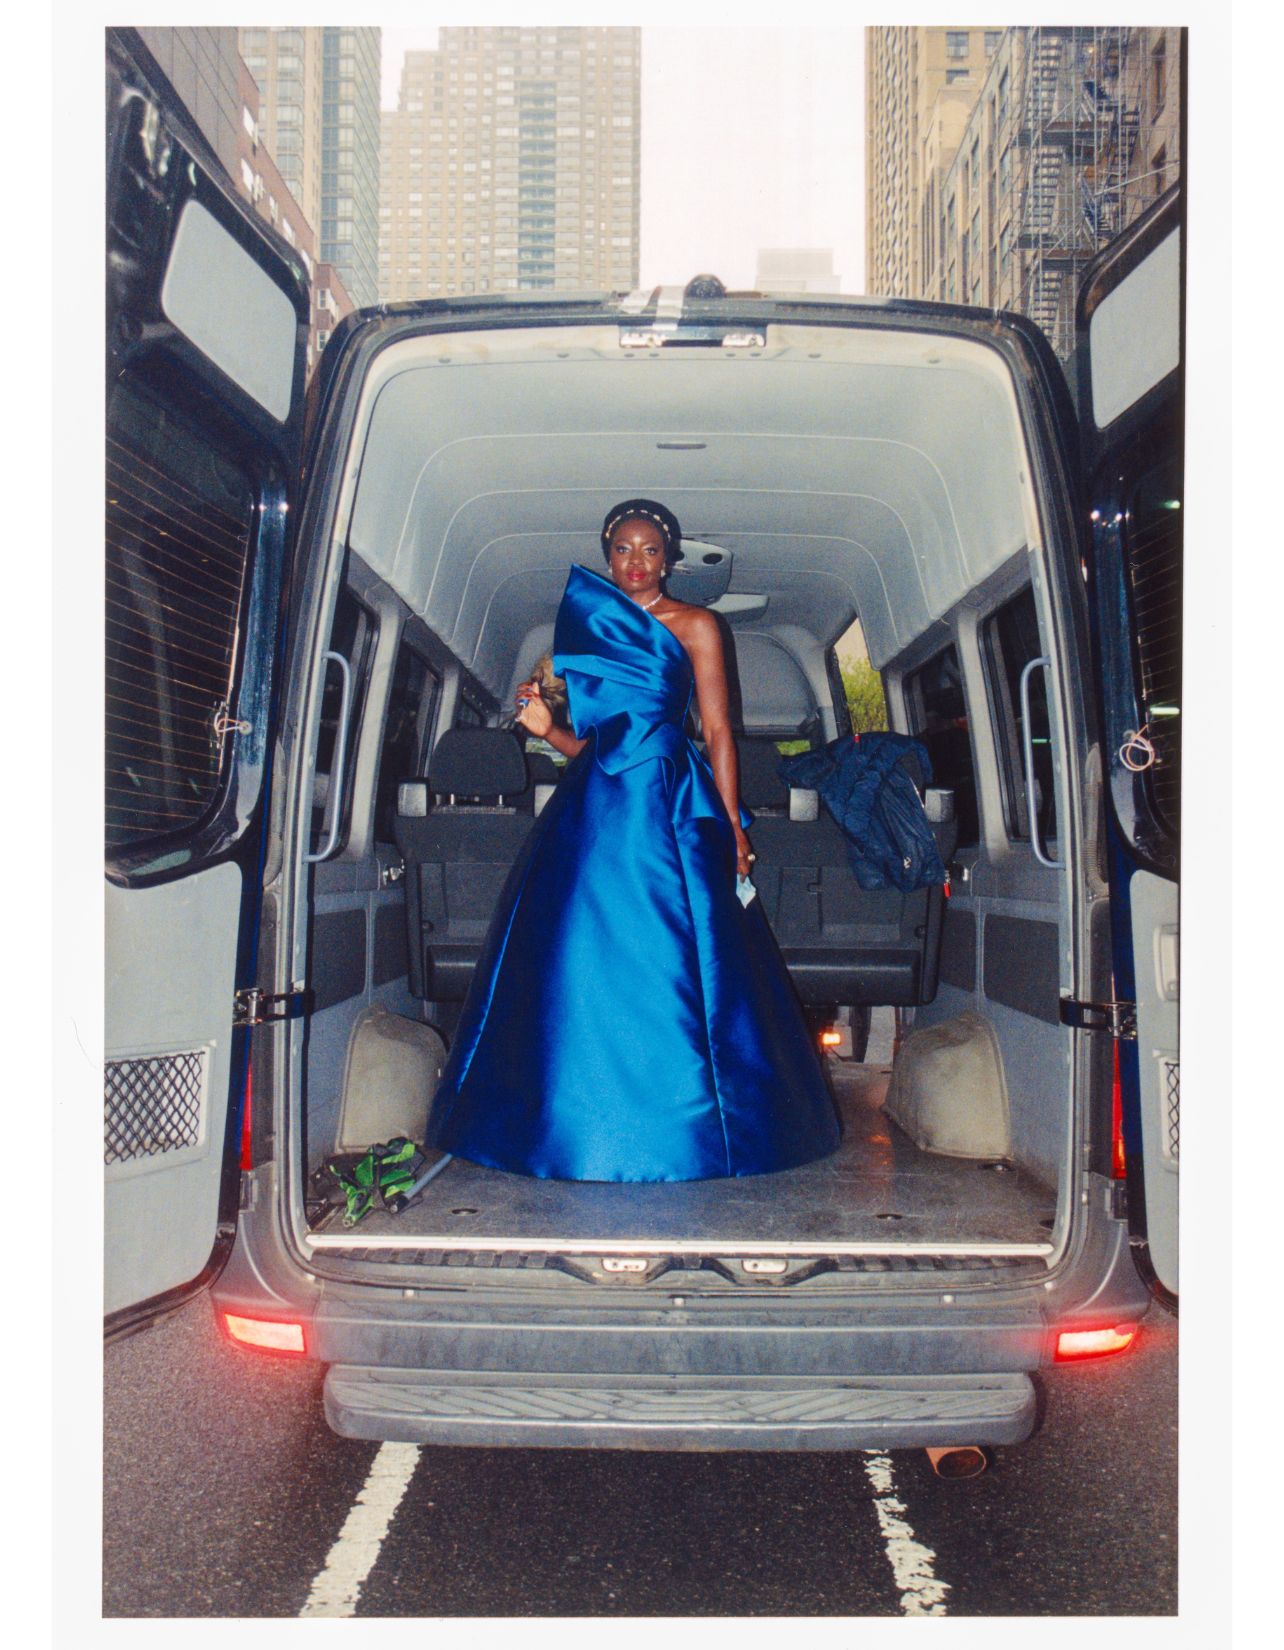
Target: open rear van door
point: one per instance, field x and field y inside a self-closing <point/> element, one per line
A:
<point x="206" y="337"/>
<point x="1131" y="415"/>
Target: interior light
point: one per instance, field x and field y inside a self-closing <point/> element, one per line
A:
<point x="1094" y="1343"/>
<point x="262" y="1332"/>
<point x="830" y="1039"/>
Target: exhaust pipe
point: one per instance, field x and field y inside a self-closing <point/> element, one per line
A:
<point x="958" y="1461"/>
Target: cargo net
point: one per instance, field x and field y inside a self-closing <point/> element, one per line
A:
<point x="1171" y="1078"/>
<point x="153" y="1105"/>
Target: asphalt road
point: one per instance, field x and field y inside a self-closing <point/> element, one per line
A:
<point x="224" y="1493"/>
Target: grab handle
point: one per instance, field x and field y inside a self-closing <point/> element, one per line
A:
<point x="335" y="797"/>
<point x="1027" y="743"/>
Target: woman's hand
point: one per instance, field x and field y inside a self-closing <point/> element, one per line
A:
<point x="745" y="855"/>
<point x="534" y="715"/>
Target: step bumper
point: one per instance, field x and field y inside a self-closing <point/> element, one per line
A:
<point x="693" y="1413"/>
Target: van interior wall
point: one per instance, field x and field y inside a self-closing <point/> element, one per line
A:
<point x="875" y="472"/>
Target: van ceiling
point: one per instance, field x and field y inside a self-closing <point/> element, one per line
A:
<point x="848" y="471"/>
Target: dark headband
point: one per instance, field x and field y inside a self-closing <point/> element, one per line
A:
<point x="645" y="509"/>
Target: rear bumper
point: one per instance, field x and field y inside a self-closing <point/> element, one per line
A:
<point x="700" y="1413"/>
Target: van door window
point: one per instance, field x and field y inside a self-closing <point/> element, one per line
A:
<point x="180" y="520"/>
<point x="1152" y="536"/>
<point x="468" y="715"/>
<point x="412" y="701"/>
<point x="352" y="635"/>
<point x="938" y="714"/>
<point x="1011" y="641"/>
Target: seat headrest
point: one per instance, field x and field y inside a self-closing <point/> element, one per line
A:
<point x="760" y="783"/>
<point x="477" y="762"/>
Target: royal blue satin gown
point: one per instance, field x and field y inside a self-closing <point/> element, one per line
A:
<point x="629" y="1019"/>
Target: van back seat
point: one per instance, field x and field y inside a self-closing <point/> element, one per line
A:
<point x="842" y="944"/>
<point x="459" y="831"/>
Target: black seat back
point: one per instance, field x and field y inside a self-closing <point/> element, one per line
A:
<point x="459" y="832"/>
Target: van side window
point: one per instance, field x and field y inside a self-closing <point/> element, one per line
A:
<point x="352" y="635"/>
<point x="468" y="715"/>
<point x="938" y="715"/>
<point x="180" y="525"/>
<point x="1011" y="640"/>
<point x="411" y="703"/>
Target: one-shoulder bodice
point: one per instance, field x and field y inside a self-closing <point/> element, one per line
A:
<point x="629" y="682"/>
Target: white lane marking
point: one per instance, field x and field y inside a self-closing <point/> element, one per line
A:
<point x="338" y="1586"/>
<point x="921" y="1593"/>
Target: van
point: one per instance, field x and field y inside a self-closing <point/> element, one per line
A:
<point x="318" y="606"/>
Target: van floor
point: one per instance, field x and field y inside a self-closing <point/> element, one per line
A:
<point x="878" y="1187"/>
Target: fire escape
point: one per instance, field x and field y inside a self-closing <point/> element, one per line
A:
<point x="1077" y="118"/>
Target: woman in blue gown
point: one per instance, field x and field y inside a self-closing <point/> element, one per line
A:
<point x="630" y="1019"/>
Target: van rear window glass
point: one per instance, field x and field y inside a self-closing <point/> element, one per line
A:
<point x="179" y="523"/>
<point x="1011" y="641"/>
<point x="937" y="707"/>
<point x="1153" y="540"/>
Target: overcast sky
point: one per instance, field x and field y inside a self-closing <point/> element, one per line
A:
<point x="751" y="137"/>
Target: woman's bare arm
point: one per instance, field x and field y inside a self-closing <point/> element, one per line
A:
<point x="537" y="718"/>
<point x="703" y="642"/>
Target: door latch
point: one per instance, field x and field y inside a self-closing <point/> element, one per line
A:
<point x="252" y="1007"/>
<point x="1118" y="1018"/>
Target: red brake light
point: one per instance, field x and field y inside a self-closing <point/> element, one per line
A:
<point x="1094" y="1343"/>
<point x="247" y="1156"/>
<point x="1118" y="1158"/>
<point x="262" y="1332"/>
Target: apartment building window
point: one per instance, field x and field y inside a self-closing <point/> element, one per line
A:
<point x="956" y="43"/>
<point x="992" y="38"/>
<point x="974" y="167"/>
<point x="952" y="75"/>
<point x="1158" y="76"/>
<point x="1004" y="86"/>
<point x="1159" y="166"/>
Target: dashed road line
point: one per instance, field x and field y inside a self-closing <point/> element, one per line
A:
<point x="912" y="1563"/>
<point x="338" y="1585"/>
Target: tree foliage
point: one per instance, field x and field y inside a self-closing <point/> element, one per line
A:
<point x="864" y="689"/>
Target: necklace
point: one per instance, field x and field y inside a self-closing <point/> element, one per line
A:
<point x="647" y="606"/>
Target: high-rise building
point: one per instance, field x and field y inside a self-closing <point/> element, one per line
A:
<point x="286" y="65"/>
<point x="319" y="113"/>
<point x="512" y="162"/>
<point x="1065" y="138"/>
<point x="350" y="158"/>
<point x="796" y="269"/>
<point x="920" y="86"/>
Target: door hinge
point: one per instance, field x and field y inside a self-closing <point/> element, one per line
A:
<point x="252" y="1007"/>
<point x="1119" y="1019"/>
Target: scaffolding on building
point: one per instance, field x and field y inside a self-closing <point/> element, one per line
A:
<point x="1077" y="175"/>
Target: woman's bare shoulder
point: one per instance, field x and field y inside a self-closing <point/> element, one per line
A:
<point x="691" y="623"/>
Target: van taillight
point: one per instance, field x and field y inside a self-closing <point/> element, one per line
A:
<point x="247" y="1154"/>
<point x="1118" y="1157"/>
<point x="1094" y="1343"/>
<point x="265" y="1333"/>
